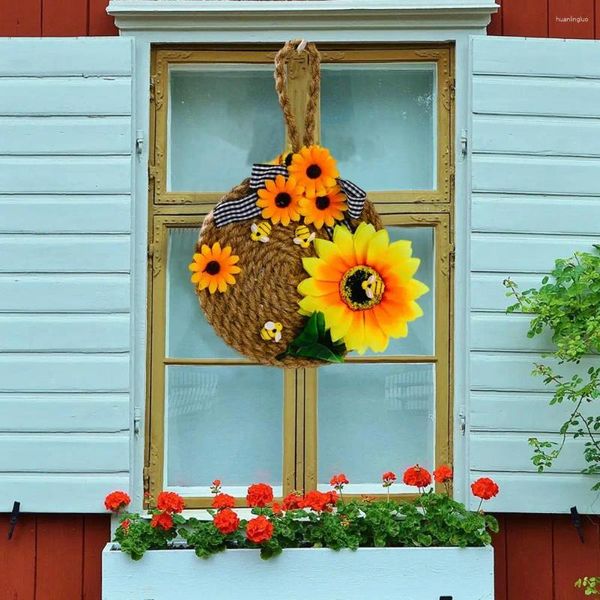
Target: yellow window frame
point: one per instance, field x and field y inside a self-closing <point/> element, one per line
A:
<point x="429" y="208"/>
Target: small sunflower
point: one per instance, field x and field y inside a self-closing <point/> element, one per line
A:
<point x="364" y="287"/>
<point x="314" y="169"/>
<point x="214" y="268"/>
<point x="324" y="210"/>
<point x="280" y="199"/>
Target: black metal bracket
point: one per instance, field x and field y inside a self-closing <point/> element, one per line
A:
<point x="576" y="520"/>
<point x="14" y="517"/>
<point x="445" y="597"/>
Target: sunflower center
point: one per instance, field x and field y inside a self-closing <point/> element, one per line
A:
<point x="283" y="199"/>
<point x="313" y="171"/>
<point x="323" y="202"/>
<point x="361" y="287"/>
<point x="213" y="267"/>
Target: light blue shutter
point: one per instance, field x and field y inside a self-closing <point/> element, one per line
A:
<point x="535" y="197"/>
<point x="65" y="203"/>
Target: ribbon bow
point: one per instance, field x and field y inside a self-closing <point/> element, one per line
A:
<point x="245" y="208"/>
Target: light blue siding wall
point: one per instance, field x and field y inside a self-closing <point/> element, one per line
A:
<point x="65" y="221"/>
<point x="535" y="162"/>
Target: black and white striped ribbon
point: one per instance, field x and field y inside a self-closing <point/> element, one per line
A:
<point x="245" y="208"/>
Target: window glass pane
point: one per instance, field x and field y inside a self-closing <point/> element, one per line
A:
<point x="188" y="333"/>
<point x="374" y="418"/>
<point x="223" y="422"/>
<point x="379" y="120"/>
<point x="222" y="119"/>
<point x="421" y="331"/>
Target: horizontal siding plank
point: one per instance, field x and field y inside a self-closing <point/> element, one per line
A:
<point x="536" y="175"/>
<point x="64" y="373"/>
<point x="511" y="452"/>
<point x="507" y="253"/>
<point x="65" y="293"/>
<point x="539" y="493"/>
<point x="64" y="453"/>
<point x="65" y="214"/>
<point x="64" y="333"/>
<point x="535" y="214"/>
<point x="512" y="372"/>
<point x="498" y="332"/>
<point x="27" y="253"/>
<point x="516" y="411"/>
<point x="84" y="96"/>
<point x="536" y="97"/>
<point x="488" y="293"/>
<point x="64" y="412"/>
<point x="65" y="175"/>
<point x="65" y="56"/>
<point x="65" y="135"/>
<point x="54" y="493"/>
<point x="536" y="135"/>
<point x="538" y="57"/>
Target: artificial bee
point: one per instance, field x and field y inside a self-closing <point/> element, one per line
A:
<point x="261" y="232"/>
<point x="303" y="236"/>
<point x="373" y="287"/>
<point x="271" y="331"/>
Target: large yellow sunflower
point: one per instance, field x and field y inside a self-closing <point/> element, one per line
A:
<point x="314" y="169"/>
<point x="214" y="268"/>
<point x="364" y="286"/>
<point x="280" y="199"/>
<point x="324" y="210"/>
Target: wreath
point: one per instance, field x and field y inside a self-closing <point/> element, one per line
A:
<point x="293" y="267"/>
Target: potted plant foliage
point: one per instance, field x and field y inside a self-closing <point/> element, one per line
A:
<point x="317" y="545"/>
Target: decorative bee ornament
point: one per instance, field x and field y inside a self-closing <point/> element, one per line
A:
<point x="261" y="231"/>
<point x="304" y="237"/>
<point x="323" y="263"/>
<point x="271" y="331"/>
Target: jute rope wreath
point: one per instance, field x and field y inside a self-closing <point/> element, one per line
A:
<point x="293" y="267"/>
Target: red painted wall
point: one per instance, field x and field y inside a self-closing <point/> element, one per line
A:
<point x="53" y="557"/>
<point x="57" y="557"/>
<point x="547" y="18"/>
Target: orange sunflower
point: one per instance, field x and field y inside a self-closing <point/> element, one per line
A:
<point x="314" y="169"/>
<point x="364" y="286"/>
<point x="214" y="268"/>
<point x="324" y="210"/>
<point x="280" y="200"/>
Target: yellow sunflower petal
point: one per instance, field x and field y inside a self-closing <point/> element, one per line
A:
<point x="330" y="253"/>
<point x="355" y="338"/>
<point x="375" y="337"/>
<point x="314" y="287"/>
<point x="222" y="285"/>
<point x="362" y="236"/>
<point x="377" y="248"/>
<point x="205" y="250"/>
<point x="321" y="270"/>
<point x="195" y="278"/>
<point x="339" y="319"/>
<point x="212" y="285"/>
<point x="391" y="324"/>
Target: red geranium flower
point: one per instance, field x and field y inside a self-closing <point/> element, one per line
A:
<point x="338" y="481"/>
<point x="388" y="478"/>
<point x="221" y="501"/>
<point x="292" y="501"/>
<point x="417" y="476"/>
<point x="226" y="521"/>
<point x="163" y="520"/>
<point x="485" y="488"/>
<point x="115" y="501"/>
<point x="259" y="530"/>
<point x="259" y="494"/>
<point x="277" y="508"/>
<point x="216" y="483"/>
<point x="443" y="474"/>
<point x="319" y="501"/>
<point x="125" y="524"/>
<point x="170" y="502"/>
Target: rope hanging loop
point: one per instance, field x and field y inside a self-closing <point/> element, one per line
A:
<point x="290" y="49"/>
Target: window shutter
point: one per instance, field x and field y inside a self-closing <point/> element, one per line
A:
<point x="535" y="175"/>
<point x="65" y="200"/>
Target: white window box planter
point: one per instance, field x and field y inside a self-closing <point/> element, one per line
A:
<point x="298" y="574"/>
